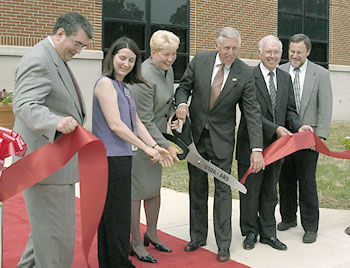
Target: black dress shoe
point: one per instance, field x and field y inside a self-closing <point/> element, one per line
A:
<point x="309" y="237"/>
<point x="147" y="240"/>
<point x="194" y="245"/>
<point x="249" y="241"/>
<point x="147" y="258"/>
<point x="284" y="226"/>
<point x="273" y="242"/>
<point x="223" y="254"/>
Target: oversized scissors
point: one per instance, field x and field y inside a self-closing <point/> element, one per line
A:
<point x="189" y="153"/>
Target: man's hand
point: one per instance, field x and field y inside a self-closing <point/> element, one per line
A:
<point x="66" y="125"/>
<point x="181" y="112"/>
<point x="257" y="161"/>
<point x="305" y="128"/>
<point x="282" y="131"/>
<point x="173" y="124"/>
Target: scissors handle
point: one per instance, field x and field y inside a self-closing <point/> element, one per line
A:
<point x="186" y="135"/>
<point x="178" y="142"/>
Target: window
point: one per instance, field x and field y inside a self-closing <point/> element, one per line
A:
<point x="139" y="19"/>
<point x="310" y="17"/>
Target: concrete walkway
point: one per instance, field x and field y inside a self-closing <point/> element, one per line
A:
<point x="331" y="250"/>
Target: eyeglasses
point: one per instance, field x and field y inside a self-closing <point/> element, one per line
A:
<point x="78" y="45"/>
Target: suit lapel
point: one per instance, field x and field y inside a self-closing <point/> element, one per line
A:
<point x="74" y="92"/>
<point x="280" y="89"/>
<point x="66" y="78"/>
<point x="285" y="67"/>
<point x="261" y="86"/>
<point x="309" y="81"/>
<point x="207" y="75"/>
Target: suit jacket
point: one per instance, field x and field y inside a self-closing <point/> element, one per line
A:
<point x="316" y="100"/>
<point x="154" y="100"/>
<point x="286" y="114"/>
<point x="221" y="119"/>
<point x="44" y="93"/>
<point x="154" y="105"/>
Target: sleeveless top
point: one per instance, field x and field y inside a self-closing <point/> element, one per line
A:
<point x="115" y="146"/>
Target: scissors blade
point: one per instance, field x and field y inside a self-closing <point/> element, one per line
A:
<point x="195" y="159"/>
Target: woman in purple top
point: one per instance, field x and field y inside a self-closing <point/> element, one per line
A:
<point x="116" y="123"/>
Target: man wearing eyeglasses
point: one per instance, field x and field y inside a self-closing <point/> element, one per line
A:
<point x="274" y="92"/>
<point x="313" y="96"/>
<point x="47" y="103"/>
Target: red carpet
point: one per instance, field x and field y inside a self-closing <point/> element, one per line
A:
<point x="16" y="230"/>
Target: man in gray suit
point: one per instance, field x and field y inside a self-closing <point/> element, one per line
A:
<point x="313" y="96"/>
<point x="217" y="81"/>
<point x="47" y="103"/>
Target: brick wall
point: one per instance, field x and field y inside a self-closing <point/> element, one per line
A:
<point x="253" y="19"/>
<point x="339" y="36"/>
<point x="26" y="22"/>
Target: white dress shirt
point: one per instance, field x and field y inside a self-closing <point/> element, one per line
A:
<point x="267" y="77"/>
<point x="216" y="68"/>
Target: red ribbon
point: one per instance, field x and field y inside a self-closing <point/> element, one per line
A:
<point x="93" y="176"/>
<point x="290" y="144"/>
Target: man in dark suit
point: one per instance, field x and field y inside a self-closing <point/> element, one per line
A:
<point x="313" y="95"/>
<point x="275" y="95"/>
<point x="217" y="81"/>
<point x="47" y="102"/>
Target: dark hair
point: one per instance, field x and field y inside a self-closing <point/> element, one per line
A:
<point x="301" y="38"/>
<point x="71" y="22"/>
<point x="108" y="68"/>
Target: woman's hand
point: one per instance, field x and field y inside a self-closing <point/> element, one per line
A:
<point x="153" y="154"/>
<point x="159" y="154"/>
<point x="166" y="160"/>
<point x="173" y="153"/>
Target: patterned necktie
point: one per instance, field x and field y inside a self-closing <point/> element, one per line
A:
<point x="216" y="86"/>
<point x="296" y="86"/>
<point x="273" y="93"/>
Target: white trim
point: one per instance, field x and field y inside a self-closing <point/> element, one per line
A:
<point x="250" y="62"/>
<point x="339" y="68"/>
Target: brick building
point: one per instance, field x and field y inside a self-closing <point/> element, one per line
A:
<point x="25" y="22"/>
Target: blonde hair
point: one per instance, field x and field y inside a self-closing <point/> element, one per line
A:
<point x="161" y="38"/>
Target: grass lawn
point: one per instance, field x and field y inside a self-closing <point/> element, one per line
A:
<point x="333" y="175"/>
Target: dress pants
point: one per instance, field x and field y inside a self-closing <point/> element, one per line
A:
<point x="300" y="166"/>
<point x="198" y="190"/>
<point x="51" y="212"/>
<point x="257" y="206"/>
<point x="114" y="228"/>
